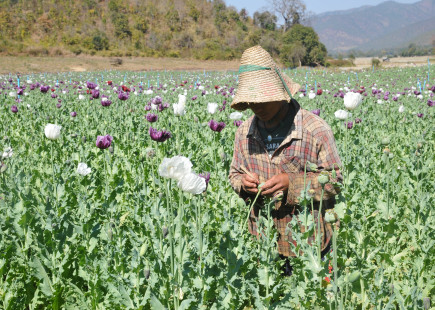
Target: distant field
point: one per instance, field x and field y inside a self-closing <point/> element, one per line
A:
<point x="26" y="64"/>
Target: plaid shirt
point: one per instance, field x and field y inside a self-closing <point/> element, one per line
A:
<point x="310" y="139"/>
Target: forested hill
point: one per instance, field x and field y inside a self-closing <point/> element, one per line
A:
<point x="177" y="28"/>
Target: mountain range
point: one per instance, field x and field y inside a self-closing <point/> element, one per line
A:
<point x="388" y="25"/>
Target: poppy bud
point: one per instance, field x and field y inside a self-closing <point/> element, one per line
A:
<point x="111" y="150"/>
<point x="84" y="139"/>
<point x="164" y="232"/>
<point x="110" y="233"/>
<point x="3" y="167"/>
<point x="143" y="249"/>
<point x="354" y="276"/>
<point x="426" y="303"/>
<point x="146" y="273"/>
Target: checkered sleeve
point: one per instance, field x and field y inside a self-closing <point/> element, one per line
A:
<point x="235" y="174"/>
<point x="328" y="160"/>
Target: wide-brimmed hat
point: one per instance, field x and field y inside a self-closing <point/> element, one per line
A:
<point x="260" y="80"/>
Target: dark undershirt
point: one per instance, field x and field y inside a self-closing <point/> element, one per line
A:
<point x="273" y="137"/>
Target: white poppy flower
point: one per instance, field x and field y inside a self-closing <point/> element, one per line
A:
<point x="179" y="109"/>
<point x="81" y="97"/>
<point x="26" y="94"/>
<point x="63" y="91"/>
<point x="352" y="100"/>
<point x="420" y="97"/>
<point x="342" y="114"/>
<point x="192" y="183"/>
<point x="182" y="99"/>
<point x="201" y="87"/>
<point x="401" y="109"/>
<point x="12" y="94"/>
<point x="29" y="82"/>
<point x="380" y="101"/>
<point x="104" y="99"/>
<point x="52" y="131"/>
<point x="135" y="92"/>
<point x="236" y="115"/>
<point x="301" y="95"/>
<point x="211" y="107"/>
<point x="311" y="95"/>
<point x="8" y="152"/>
<point x="175" y="167"/>
<point x="83" y="169"/>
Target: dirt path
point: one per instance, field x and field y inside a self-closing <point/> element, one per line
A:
<point x="27" y="64"/>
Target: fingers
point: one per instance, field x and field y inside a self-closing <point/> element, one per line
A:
<point x="249" y="184"/>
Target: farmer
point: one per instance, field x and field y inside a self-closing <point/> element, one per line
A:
<point x="274" y="145"/>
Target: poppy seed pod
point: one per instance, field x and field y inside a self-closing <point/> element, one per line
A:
<point x="323" y="178"/>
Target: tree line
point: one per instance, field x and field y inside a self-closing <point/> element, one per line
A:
<point x="201" y="29"/>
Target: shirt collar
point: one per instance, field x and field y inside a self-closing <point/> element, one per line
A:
<point x="295" y="131"/>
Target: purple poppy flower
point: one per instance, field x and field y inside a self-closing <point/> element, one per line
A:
<point x="103" y="142"/>
<point x="106" y="103"/>
<point x="203" y="93"/>
<point x="95" y="94"/>
<point x="433" y="89"/>
<point x="159" y="135"/>
<point x="53" y="96"/>
<point x="44" y="89"/>
<point x="123" y="96"/>
<point x="147" y="108"/>
<point x="349" y="125"/>
<point x="20" y="91"/>
<point x="420" y="115"/>
<point x="194" y="97"/>
<point x="216" y="126"/>
<point x="395" y="98"/>
<point x="416" y="92"/>
<point x="156" y="100"/>
<point x="73" y="114"/>
<point x="14" y="109"/>
<point x="374" y="91"/>
<point x="206" y="177"/>
<point x="91" y="85"/>
<point x="430" y="103"/>
<point x="316" y="111"/>
<point x="151" y="117"/>
<point x="238" y="123"/>
<point x="32" y="86"/>
<point x="386" y="98"/>
<point x="358" y="120"/>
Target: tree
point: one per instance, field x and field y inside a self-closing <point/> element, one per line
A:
<point x="315" y="51"/>
<point x="265" y="20"/>
<point x="292" y="11"/>
<point x="292" y="54"/>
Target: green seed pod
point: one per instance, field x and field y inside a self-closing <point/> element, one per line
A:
<point x="240" y="203"/>
<point x="385" y="141"/>
<point x="278" y="196"/>
<point x="323" y="178"/>
<point x="348" y="262"/>
<point x="74" y="135"/>
<point x="110" y="233"/>
<point x="330" y="216"/>
<point x="354" y="276"/>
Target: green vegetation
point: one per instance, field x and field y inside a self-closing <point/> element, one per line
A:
<point x="192" y="28"/>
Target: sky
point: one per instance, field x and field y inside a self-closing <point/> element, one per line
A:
<point x="315" y="6"/>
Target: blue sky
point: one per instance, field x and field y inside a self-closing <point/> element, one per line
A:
<point x="316" y="6"/>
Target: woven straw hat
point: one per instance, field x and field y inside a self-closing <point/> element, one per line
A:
<point x="260" y="80"/>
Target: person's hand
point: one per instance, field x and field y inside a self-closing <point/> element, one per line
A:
<point x="276" y="183"/>
<point x="250" y="183"/>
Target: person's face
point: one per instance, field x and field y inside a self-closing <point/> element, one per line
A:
<point x="265" y="111"/>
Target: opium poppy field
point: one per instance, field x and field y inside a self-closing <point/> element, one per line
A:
<point x="114" y="194"/>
